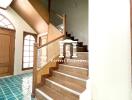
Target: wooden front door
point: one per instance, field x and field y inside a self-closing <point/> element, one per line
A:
<point x="7" y="45"/>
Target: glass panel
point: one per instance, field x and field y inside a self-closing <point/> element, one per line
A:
<point x="31" y="54"/>
<point x="26" y="65"/>
<point x="26" y="59"/>
<point x="31" y="64"/>
<point x="27" y="37"/>
<point x="26" y="53"/>
<point x="32" y="38"/>
<point x="10" y="27"/>
<point x="32" y="42"/>
<point x="31" y="59"/>
<point x="5" y="21"/>
<point x="31" y="48"/>
<point x="1" y="24"/>
<point x="1" y="17"/>
<point x="26" y="42"/>
<point x="26" y="48"/>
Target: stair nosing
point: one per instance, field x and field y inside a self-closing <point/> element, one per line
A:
<point x="65" y="88"/>
<point x="44" y="94"/>
<point x="73" y="67"/>
<point x="84" y="60"/>
<point x="74" y="77"/>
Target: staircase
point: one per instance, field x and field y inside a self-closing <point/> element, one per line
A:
<point x="80" y="46"/>
<point x="68" y="80"/>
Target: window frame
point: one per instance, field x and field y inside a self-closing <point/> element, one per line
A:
<point x="24" y="35"/>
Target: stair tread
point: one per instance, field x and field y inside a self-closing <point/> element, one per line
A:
<point x="77" y="63"/>
<point x="67" y="93"/>
<point x="73" y="71"/>
<point x="52" y="93"/>
<point x="68" y="84"/>
<point x="77" y="79"/>
<point x="72" y="66"/>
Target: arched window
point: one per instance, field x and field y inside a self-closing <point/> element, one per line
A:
<point x="28" y="49"/>
<point x="5" y="23"/>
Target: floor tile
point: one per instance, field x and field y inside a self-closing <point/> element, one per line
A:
<point x="17" y="87"/>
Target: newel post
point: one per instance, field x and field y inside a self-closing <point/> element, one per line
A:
<point x="34" y="84"/>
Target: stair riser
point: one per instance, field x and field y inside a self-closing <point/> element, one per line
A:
<point x="80" y="44"/>
<point x="62" y="91"/>
<point x="74" y="71"/>
<point x="82" y="55"/>
<point x="81" y="49"/>
<point x="68" y="84"/>
<point x="39" y="96"/>
<point x="65" y="78"/>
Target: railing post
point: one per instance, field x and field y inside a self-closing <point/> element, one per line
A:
<point x="34" y="83"/>
<point x="64" y="23"/>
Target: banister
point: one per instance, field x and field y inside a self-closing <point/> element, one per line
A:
<point x="50" y="42"/>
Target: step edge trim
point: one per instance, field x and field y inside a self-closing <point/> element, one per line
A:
<point x="44" y="94"/>
<point x="65" y="88"/>
<point x="73" y="67"/>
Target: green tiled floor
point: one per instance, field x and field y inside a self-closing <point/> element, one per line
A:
<point x="17" y="87"/>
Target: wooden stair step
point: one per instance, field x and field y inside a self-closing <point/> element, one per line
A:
<point x="86" y="47"/>
<point x="81" y="49"/>
<point x="42" y="93"/>
<point x="68" y="35"/>
<point x="48" y="93"/>
<point x="82" y="55"/>
<point x="67" y="93"/>
<point x="74" y="71"/>
<point x="72" y="37"/>
<point x="69" y="84"/>
<point x="79" y="43"/>
<point x="77" y="80"/>
<point x="77" y="62"/>
<point x="76" y="39"/>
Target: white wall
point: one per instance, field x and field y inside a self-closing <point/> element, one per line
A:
<point x="77" y="16"/>
<point x="110" y="49"/>
<point x="20" y="26"/>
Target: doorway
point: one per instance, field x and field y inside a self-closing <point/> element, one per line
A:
<point x="7" y="48"/>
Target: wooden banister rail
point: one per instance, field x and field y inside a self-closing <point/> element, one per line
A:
<point x="35" y="72"/>
<point x="50" y="42"/>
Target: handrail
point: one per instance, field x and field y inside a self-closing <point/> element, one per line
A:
<point x="50" y="42"/>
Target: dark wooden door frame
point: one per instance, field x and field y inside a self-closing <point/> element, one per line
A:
<point x="12" y="50"/>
